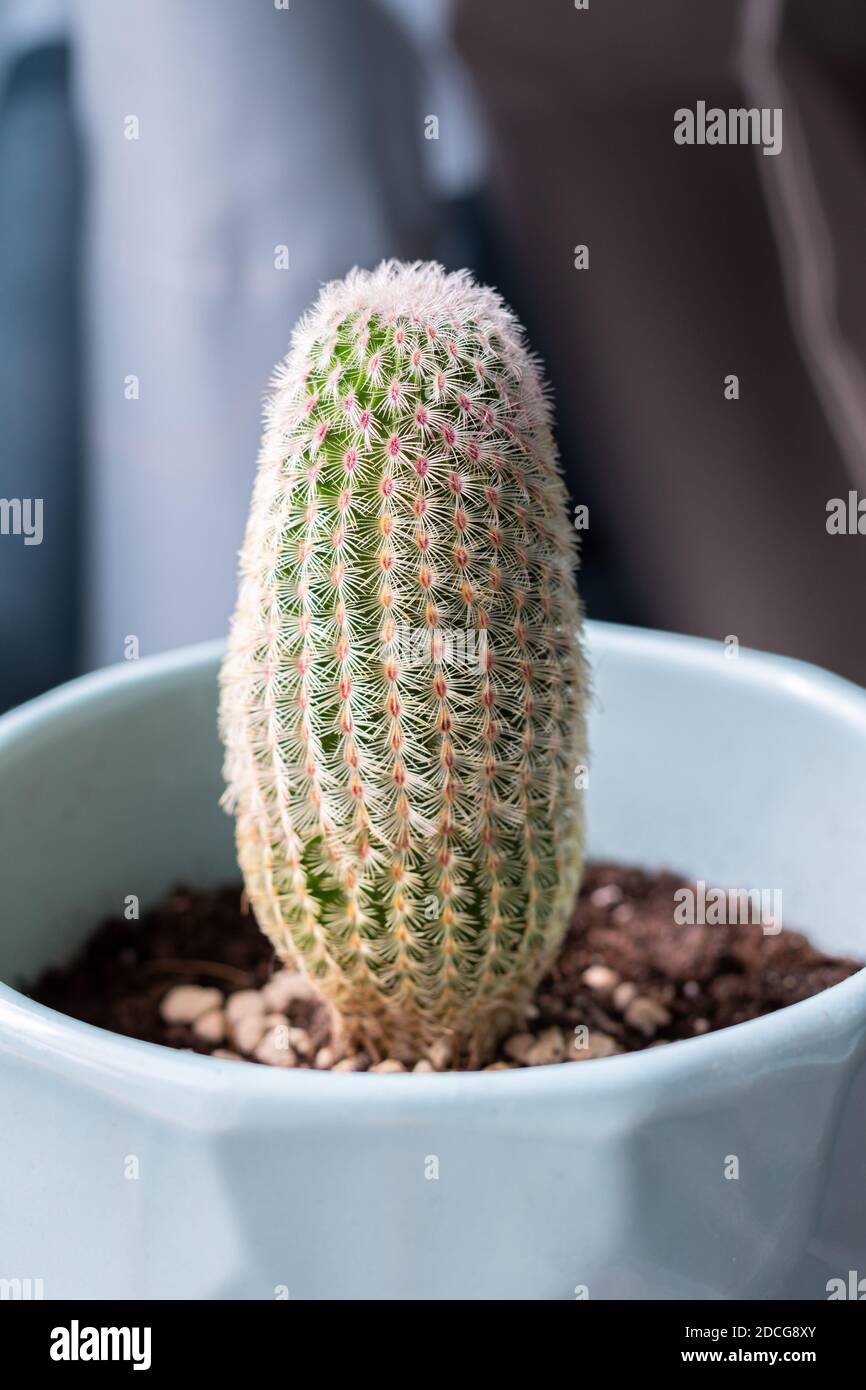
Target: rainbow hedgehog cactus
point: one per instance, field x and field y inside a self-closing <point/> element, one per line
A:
<point x="403" y="696"/>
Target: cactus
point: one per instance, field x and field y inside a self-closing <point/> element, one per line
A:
<point x="403" y="695"/>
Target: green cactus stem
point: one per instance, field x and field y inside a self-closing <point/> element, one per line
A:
<point x="404" y="693"/>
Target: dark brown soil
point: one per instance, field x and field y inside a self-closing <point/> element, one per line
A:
<point x="658" y="980"/>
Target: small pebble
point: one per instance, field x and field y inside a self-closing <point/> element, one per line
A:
<point x="299" y="1038"/>
<point x="622" y="914"/>
<point x="226" y="1054"/>
<point x="423" y="1065"/>
<point x="274" y="1050"/>
<point x="624" y="994"/>
<point x="358" y="1061"/>
<point x="284" y="988"/>
<point x="548" y="1047"/>
<point x="607" y="896"/>
<point x="501" y="1066"/>
<point x="244" y="1003"/>
<point x="518" y="1046"/>
<point x="390" y="1064"/>
<point x="248" y="1031"/>
<point x="691" y="989"/>
<point x="186" y="1003"/>
<point x="439" y="1053"/>
<point x="646" y="1015"/>
<point x="211" y="1027"/>
<point x="701" y="1025"/>
<point x="602" y="1045"/>
<point x="601" y="979"/>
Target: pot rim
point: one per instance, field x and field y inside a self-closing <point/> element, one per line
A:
<point x="26" y="1026"/>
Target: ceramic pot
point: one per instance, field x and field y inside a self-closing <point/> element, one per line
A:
<point x="602" y="1178"/>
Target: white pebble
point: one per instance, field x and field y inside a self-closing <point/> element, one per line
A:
<point x="186" y="1003"/>
<point x="326" y="1057"/>
<point x="211" y="1027"/>
<point x="646" y="1015"/>
<point x="601" y="979"/>
<point x="284" y="988"/>
<point x="608" y="896"/>
<point x="548" y="1047"/>
<point x="300" y="1040"/>
<point x="248" y="1031"/>
<point x="390" y="1064"/>
<point x="439" y="1053"/>
<point x="624" y="994"/>
<point x="274" y="1049"/>
<point x="358" y="1061"/>
<point x="244" y="1003"/>
<point x="518" y="1046"/>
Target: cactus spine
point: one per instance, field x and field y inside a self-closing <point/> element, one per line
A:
<point x="403" y="695"/>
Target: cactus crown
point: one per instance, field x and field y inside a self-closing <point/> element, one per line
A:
<point x="403" y="696"/>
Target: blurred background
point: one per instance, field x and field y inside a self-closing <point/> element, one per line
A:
<point x="178" y="178"/>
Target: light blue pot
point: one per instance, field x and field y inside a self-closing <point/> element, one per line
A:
<point x="609" y="1174"/>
